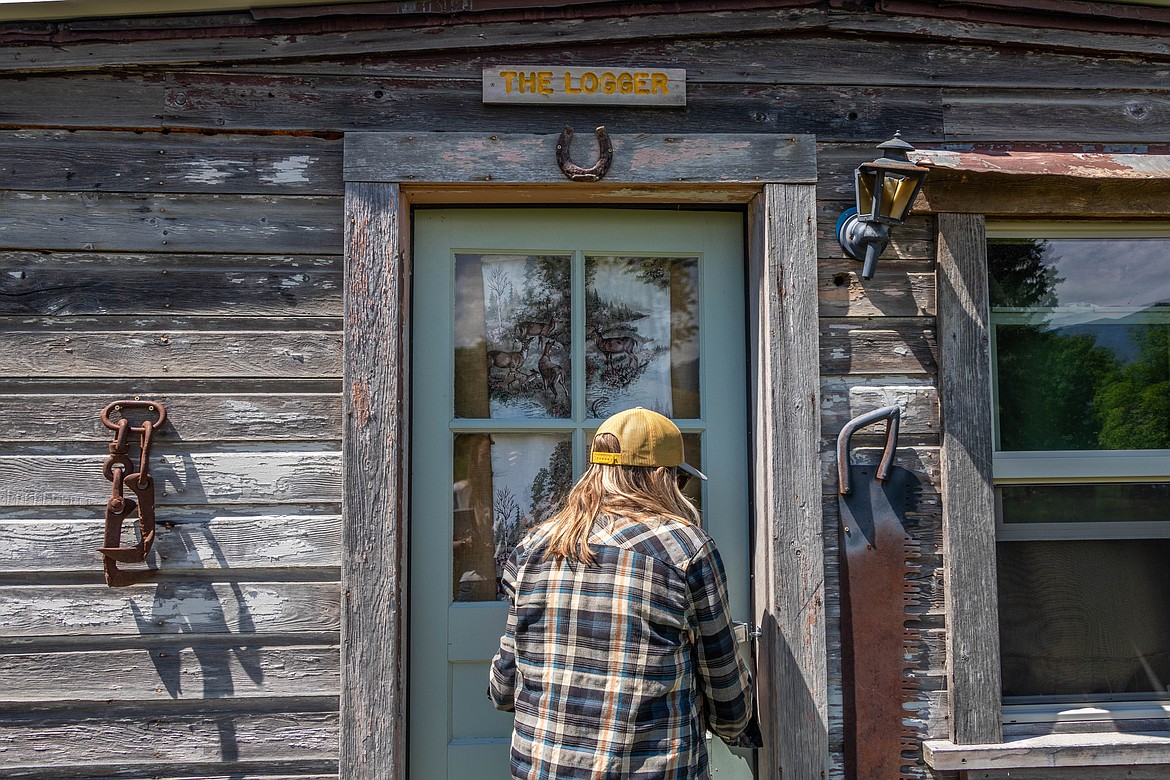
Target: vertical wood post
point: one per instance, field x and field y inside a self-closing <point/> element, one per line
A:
<point x="789" y="566"/>
<point x="375" y="482"/>
<point x="973" y="675"/>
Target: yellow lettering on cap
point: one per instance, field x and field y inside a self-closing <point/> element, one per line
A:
<point x="606" y="458"/>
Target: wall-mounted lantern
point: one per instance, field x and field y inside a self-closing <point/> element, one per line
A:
<point x="886" y="189"/>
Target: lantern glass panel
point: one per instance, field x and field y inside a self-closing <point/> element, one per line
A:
<point x="866" y="185"/>
<point x="897" y="193"/>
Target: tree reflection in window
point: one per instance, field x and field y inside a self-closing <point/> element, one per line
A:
<point x="1085" y="374"/>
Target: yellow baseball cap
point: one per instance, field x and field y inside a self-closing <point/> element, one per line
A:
<point x="645" y="438"/>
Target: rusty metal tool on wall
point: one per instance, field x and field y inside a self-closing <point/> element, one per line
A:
<point x="118" y="469"/>
<point x="873" y="554"/>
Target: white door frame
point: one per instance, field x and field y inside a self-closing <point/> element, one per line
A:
<point x="774" y="176"/>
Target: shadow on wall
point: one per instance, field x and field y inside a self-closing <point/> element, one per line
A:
<point x="800" y="730"/>
<point x="197" y="608"/>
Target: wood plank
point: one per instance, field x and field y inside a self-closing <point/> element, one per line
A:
<point x="895" y="291"/>
<point x="151" y="222"/>
<point x="215" y="541"/>
<point x="191" y="417"/>
<point x="169" y="672"/>
<point x="530" y="158"/>
<point x="168" y="607"/>
<point x="131" y="100"/>
<point x="752" y="59"/>
<point x="260" y="477"/>
<point x="968" y="497"/>
<point x="169" y="289"/>
<point x="107" y="161"/>
<point x="402" y="38"/>
<point x="1097" y="116"/>
<point x="260" y="774"/>
<point x="878" y="345"/>
<point x="395" y="39"/>
<point x="170" y="354"/>
<point x="901" y="247"/>
<point x="1111" y="749"/>
<point x="917" y="228"/>
<point x="845" y="397"/>
<point x="331" y="104"/>
<point x="788" y="486"/>
<point x="963" y="30"/>
<point x="148" y="262"/>
<point x="348" y="103"/>
<point x="1116" y="772"/>
<point x="1018" y="195"/>
<point x="376" y="491"/>
<point x="251" y="742"/>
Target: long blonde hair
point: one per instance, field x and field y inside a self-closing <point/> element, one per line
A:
<point x="635" y="492"/>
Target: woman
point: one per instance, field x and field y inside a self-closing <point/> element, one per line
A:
<point x="618" y="651"/>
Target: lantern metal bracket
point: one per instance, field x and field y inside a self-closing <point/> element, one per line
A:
<point x="862" y="240"/>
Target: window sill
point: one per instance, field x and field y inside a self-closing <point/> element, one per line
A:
<point x="1052" y="750"/>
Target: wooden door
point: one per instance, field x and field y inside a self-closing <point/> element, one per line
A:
<point x="530" y="327"/>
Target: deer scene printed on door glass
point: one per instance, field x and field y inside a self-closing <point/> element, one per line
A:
<point x="514" y="320"/>
<point x="642" y="335"/>
<point x="514" y="336"/>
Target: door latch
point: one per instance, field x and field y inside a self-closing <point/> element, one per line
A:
<point x="745" y="632"/>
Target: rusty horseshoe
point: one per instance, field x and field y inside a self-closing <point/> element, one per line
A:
<point x="575" y="172"/>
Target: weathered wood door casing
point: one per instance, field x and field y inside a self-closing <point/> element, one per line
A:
<point x="782" y="304"/>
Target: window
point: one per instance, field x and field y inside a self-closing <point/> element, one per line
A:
<point x="1080" y="329"/>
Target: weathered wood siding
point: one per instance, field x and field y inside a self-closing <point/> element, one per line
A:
<point x="171" y="226"/>
<point x="204" y="272"/>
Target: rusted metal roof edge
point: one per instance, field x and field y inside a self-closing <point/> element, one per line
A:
<point x="1152" y="162"/>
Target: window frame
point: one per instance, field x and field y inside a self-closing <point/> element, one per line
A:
<point x="976" y="739"/>
<point x="1073" y="467"/>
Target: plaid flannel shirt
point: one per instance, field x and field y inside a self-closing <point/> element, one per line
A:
<point x="615" y="669"/>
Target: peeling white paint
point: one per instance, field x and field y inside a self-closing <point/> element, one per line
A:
<point x="284" y="549"/>
<point x="211" y="171"/>
<point x="288" y="171"/>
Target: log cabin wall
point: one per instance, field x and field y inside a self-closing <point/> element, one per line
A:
<point x="171" y="227"/>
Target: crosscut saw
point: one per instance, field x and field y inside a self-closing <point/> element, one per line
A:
<point x="874" y="548"/>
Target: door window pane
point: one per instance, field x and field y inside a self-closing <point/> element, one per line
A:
<point x="512" y="336"/>
<point x="504" y="483"/>
<point x="642" y="335"/>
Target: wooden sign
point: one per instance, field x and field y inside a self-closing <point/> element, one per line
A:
<point x="600" y="86"/>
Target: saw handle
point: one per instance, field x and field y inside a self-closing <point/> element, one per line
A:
<point x="891" y="413"/>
